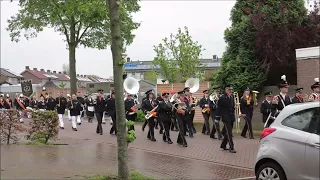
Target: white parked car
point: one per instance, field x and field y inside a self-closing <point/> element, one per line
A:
<point x="290" y="147"/>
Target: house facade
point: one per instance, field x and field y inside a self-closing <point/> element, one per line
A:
<point x="144" y="69"/>
<point x="9" y="77"/>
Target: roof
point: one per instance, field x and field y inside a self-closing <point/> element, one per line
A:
<point x="95" y="78"/>
<point x="49" y="84"/>
<point x="46" y="75"/>
<point x="9" y="73"/>
<point x="5" y="82"/>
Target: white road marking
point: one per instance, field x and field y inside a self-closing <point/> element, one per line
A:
<point x="253" y="177"/>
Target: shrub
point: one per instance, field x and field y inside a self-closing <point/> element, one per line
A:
<point x="10" y="126"/>
<point x="131" y="135"/>
<point x="44" y="127"/>
<point x="133" y="176"/>
<point x="140" y="116"/>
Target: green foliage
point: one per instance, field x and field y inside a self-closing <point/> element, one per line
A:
<point x="140" y="116"/>
<point x="62" y="84"/>
<point x="151" y="76"/>
<point x="44" y="127"/>
<point x="10" y="126"/>
<point x="178" y="57"/>
<point x="239" y="65"/>
<point x="133" y="176"/>
<point x="131" y="135"/>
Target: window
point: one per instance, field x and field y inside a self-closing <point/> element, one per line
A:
<point x="314" y="126"/>
<point x="302" y="120"/>
<point x="91" y="85"/>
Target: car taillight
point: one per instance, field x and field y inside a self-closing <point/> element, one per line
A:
<point x="266" y="132"/>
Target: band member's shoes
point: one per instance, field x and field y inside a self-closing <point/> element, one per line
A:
<point x="232" y="151"/>
<point x="153" y="139"/>
<point x="21" y="122"/>
<point x="224" y="148"/>
<point x="143" y="128"/>
<point x="191" y="136"/>
<point x="79" y="123"/>
<point x="169" y="141"/>
<point x="61" y="127"/>
<point x="213" y="137"/>
<point x="185" y="145"/>
<point x="207" y="133"/>
<point x="103" y="122"/>
<point x="244" y="136"/>
<point x="101" y="133"/>
<point x="74" y="129"/>
<point x="220" y="137"/>
<point x="251" y="137"/>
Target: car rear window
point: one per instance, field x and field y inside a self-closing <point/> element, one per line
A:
<point x="301" y="120"/>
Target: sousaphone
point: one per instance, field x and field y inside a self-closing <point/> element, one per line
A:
<point x="131" y="85"/>
<point x="193" y="84"/>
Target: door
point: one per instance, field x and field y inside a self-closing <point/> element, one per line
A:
<point x="313" y="148"/>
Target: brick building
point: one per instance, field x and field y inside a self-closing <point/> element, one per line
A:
<point x="308" y="67"/>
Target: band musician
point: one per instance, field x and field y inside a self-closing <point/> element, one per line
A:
<point x="164" y="115"/>
<point x="266" y="108"/>
<point x="1" y="101"/>
<point x="188" y="124"/>
<point x="315" y="96"/>
<point x="50" y="103"/>
<point x="131" y="111"/>
<point x="20" y="105"/>
<point x="111" y="109"/>
<point x="34" y="103"/>
<point x="61" y="108"/>
<point x="213" y="110"/>
<point x="282" y="99"/>
<point x="204" y="104"/>
<point x="174" y="126"/>
<point x="225" y="110"/>
<point x="298" y="97"/>
<point x="8" y="102"/>
<point x="147" y="106"/>
<point x="246" y="107"/>
<point x="74" y="107"/>
<point x="99" y="109"/>
<point x="182" y="110"/>
<point x="158" y="121"/>
<point x="90" y="108"/>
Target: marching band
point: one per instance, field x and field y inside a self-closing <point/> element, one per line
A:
<point x="175" y="112"/>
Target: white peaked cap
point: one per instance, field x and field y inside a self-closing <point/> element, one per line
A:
<point x="316" y="79"/>
<point x="8" y="95"/>
<point x="21" y="95"/>
<point x="44" y="88"/>
<point x="283" y="77"/>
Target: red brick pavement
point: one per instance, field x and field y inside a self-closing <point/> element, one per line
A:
<point x="90" y="154"/>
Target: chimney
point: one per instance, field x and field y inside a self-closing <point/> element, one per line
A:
<point x="81" y="75"/>
<point x="54" y="72"/>
<point x="77" y="75"/>
<point x="42" y="70"/>
<point x="27" y="68"/>
<point x="48" y="71"/>
<point x="214" y="57"/>
<point x="35" y="69"/>
<point x="59" y="72"/>
<point x="128" y="59"/>
<point x="65" y="72"/>
<point x="85" y="76"/>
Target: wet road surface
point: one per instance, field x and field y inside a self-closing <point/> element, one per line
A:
<point x="90" y="154"/>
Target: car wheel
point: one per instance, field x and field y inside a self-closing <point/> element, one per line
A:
<point x="272" y="171"/>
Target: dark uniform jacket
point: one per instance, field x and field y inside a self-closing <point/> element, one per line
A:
<point x="189" y="105"/>
<point x="148" y="105"/>
<point x="50" y="104"/>
<point x="203" y="102"/>
<point x="296" y="99"/>
<point x="100" y="105"/>
<point x="89" y="102"/>
<point x="63" y="104"/>
<point x="1" y="103"/>
<point x="41" y="105"/>
<point x="278" y="103"/>
<point x="246" y="108"/>
<point x="7" y="103"/>
<point x="225" y="108"/>
<point x="265" y="109"/>
<point x="74" y="106"/>
<point x="111" y="106"/>
<point x="34" y="104"/>
<point x="17" y="104"/>
<point x="81" y="101"/>
<point x="164" y="111"/>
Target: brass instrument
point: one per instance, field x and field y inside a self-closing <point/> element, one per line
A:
<point x="237" y="110"/>
<point x="255" y="95"/>
<point x="150" y="114"/>
<point x="71" y="104"/>
<point x="59" y="102"/>
<point x="193" y="84"/>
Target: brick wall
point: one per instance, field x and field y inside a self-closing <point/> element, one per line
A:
<point x="307" y="70"/>
<point x="28" y="76"/>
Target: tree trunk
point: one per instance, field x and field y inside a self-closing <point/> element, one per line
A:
<point x="72" y="59"/>
<point x="116" y="48"/>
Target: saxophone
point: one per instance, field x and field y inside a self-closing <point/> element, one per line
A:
<point x="150" y="114"/>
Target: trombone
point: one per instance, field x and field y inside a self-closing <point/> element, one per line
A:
<point x="237" y="111"/>
<point x="255" y="95"/>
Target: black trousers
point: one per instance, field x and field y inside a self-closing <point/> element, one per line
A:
<point x="247" y="126"/>
<point x="159" y="121"/>
<point x="151" y="125"/>
<point x="206" y="124"/>
<point x="192" y="124"/>
<point x="227" y="132"/>
<point x="112" y="114"/>
<point x="188" y="124"/>
<point x="166" y="125"/>
<point x="215" y="126"/>
<point x="181" y="138"/>
<point x="99" y="116"/>
<point x="174" y="125"/>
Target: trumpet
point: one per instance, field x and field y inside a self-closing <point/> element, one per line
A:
<point x="151" y="113"/>
<point x="205" y="110"/>
<point x="179" y="106"/>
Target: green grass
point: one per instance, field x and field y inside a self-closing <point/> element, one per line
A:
<point x="133" y="176"/>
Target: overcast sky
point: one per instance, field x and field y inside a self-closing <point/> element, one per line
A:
<point x="206" y="21"/>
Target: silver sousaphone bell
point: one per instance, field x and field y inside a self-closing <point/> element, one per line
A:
<point x="193" y="84"/>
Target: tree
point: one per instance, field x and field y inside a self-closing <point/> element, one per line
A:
<point x="178" y="57"/>
<point x="66" y="68"/>
<point x="239" y="65"/>
<point x="81" y="22"/>
<point x="114" y="7"/>
<point x="281" y="27"/>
